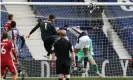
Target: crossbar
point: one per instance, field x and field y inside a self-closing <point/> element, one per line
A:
<point x="66" y="3"/>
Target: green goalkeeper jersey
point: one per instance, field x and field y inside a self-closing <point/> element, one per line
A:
<point x="90" y="51"/>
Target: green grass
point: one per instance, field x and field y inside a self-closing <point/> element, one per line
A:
<point x="78" y="79"/>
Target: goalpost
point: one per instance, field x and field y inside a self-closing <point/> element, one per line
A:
<point x="109" y="25"/>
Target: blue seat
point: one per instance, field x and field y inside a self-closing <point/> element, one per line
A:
<point x="123" y="23"/>
<point x="4" y="18"/>
<point x="78" y="16"/>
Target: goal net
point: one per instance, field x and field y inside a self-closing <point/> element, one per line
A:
<point x="109" y="26"/>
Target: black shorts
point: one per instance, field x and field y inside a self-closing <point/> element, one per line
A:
<point x="63" y="66"/>
<point x="132" y="65"/>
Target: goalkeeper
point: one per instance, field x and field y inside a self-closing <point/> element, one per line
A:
<point x="89" y="59"/>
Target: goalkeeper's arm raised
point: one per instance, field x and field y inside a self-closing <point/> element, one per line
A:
<point x="34" y="29"/>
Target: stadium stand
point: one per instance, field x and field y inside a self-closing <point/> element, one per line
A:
<point x="102" y="48"/>
<point x="122" y="23"/>
<point x="4" y="17"/>
<point x="76" y="16"/>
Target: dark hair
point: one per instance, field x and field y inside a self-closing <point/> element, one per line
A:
<point x="51" y="17"/>
<point x="66" y="25"/>
<point x="13" y="24"/>
<point x="10" y="16"/>
<point x="4" y="35"/>
<point x="39" y="20"/>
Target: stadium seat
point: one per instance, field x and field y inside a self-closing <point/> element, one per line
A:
<point x="75" y="16"/>
<point x="4" y="17"/>
<point x="123" y="26"/>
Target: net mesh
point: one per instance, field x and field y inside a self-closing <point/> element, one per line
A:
<point x="117" y="25"/>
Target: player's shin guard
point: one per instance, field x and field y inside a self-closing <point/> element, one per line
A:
<point x="85" y="61"/>
<point x="76" y="58"/>
<point x="67" y="79"/>
<point x="95" y="68"/>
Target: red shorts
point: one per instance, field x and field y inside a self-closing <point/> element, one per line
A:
<point x="8" y="65"/>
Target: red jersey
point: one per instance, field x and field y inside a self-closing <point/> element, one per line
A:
<point x="6" y="48"/>
<point x="6" y="57"/>
<point x="7" y="26"/>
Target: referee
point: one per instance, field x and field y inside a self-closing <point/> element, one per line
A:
<point x="48" y="33"/>
<point x="62" y="47"/>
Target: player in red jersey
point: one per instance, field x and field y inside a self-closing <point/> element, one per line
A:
<point x="7" y="26"/>
<point x="7" y="63"/>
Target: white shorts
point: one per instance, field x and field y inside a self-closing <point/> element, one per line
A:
<point x="83" y="42"/>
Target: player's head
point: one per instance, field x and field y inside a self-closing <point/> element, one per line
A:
<point x="52" y="17"/>
<point x="62" y="33"/>
<point x="13" y="24"/>
<point x="5" y="35"/>
<point x="10" y="17"/>
<point x="66" y="25"/>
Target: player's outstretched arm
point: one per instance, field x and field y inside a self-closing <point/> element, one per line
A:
<point x="34" y="29"/>
<point x="73" y="55"/>
<point x="23" y="43"/>
<point x="74" y="61"/>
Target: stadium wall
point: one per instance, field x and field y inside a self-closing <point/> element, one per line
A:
<point x="111" y="68"/>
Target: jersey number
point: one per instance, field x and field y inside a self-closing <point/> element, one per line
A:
<point x="45" y="26"/>
<point x="3" y="50"/>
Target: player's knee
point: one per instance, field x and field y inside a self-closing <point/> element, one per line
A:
<point x="92" y="61"/>
<point x="3" y="74"/>
<point x="14" y="74"/>
<point x="76" y="50"/>
<point x="67" y="78"/>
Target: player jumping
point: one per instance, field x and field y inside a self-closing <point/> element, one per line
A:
<point x="82" y="42"/>
<point x="90" y="59"/>
<point x="84" y="48"/>
<point x="7" y="26"/>
<point x="48" y="32"/>
<point x="7" y="62"/>
<point x="15" y="36"/>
